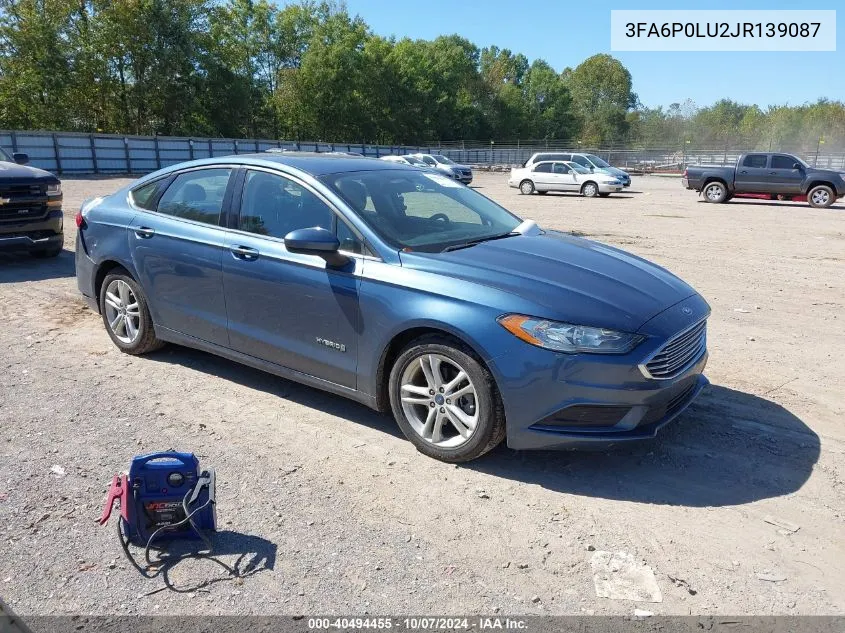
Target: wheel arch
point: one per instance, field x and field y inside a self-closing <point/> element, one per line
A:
<point x="825" y="183"/>
<point x="589" y="182"/>
<point x="719" y="179"/>
<point x="103" y="269"/>
<point x="400" y="340"/>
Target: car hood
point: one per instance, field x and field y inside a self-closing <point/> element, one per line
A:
<point x="566" y="278"/>
<point x="615" y="171"/>
<point x="14" y="172"/>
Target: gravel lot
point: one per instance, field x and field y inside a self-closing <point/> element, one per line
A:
<point x="325" y="508"/>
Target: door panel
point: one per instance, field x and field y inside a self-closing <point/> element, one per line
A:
<point x="542" y="176"/>
<point x="752" y="175"/>
<point x="289" y="308"/>
<point x="179" y="260"/>
<point x="564" y="178"/>
<point x="782" y="177"/>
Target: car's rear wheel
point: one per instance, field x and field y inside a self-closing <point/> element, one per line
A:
<point x="820" y="197"/>
<point x="590" y="189"/>
<point x="126" y="316"/>
<point x="526" y="187"/>
<point x="715" y="192"/>
<point x="45" y="253"/>
<point x="445" y="401"/>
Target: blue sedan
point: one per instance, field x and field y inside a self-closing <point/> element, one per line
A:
<point x="401" y="289"/>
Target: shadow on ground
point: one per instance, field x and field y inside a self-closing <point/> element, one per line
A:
<point x="728" y="448"/>
<point x="234" y="556"/>
<point x="280" y="387"/>
<point x="21" y="266"/>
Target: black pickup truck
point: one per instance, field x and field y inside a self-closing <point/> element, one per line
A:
<point x="781" y="176"/>
<point x="30" y="208"/>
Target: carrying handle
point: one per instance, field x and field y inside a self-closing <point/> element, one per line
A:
<point x="188" y="459"/>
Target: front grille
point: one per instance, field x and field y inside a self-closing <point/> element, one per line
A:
<point x="22" y="202"/>
<point x="678" y="353"/>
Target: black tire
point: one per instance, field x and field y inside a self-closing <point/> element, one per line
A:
<point x="590" y="189"/>
<point x="542" y="193"/>
<point x="490" y="427"/>
<point x="526" y="187"/>
<point x="820" y="197"/>
<point x="145" y="341"/>
<point x="45" y="253"/>
<point x="604" y="195"/>
<point x="715" y="192"/>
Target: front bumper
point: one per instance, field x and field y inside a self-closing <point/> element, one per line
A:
<point x="565" y="401"/>
<point x="606" y="188"/>
<point x="33" y="234"/>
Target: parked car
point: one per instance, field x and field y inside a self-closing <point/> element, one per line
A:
<point x="590" y="162"/>
<point x="30" y="208"/>
<point x="447" y="166"/>
<point x="401" y="289"/>
<point x="411" y="160"/>
<point x="563" y="176"/>
<point x="776" y="174"/>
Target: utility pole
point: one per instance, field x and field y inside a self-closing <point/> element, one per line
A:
<point x="818" y="146"/>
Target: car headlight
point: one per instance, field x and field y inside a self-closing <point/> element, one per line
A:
<point x="566" y="337"/>
<point x="54" y="189"/>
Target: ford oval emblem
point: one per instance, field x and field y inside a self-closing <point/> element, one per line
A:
<point x="686" y="310"/>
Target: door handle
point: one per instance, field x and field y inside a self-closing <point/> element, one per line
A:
<point x="145" y="232"/>
<point x="743" y="172"/>
<point x="244" y="252"/>
<point x="773" y="173"/>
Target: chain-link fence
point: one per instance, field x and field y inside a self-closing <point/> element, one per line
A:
<point x="74" y="153"/>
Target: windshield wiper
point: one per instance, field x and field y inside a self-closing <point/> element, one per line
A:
<point x="455" y="247"/>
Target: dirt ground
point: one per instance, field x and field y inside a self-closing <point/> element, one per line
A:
<point x="324" y="508"/>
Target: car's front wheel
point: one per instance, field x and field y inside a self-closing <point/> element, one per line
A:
<point x="590" y="189"/>
<point x="526" y="187"/>
<point x="445" y="401"/>
<point x="820" y="197"/>
<point x="126" y="316"/>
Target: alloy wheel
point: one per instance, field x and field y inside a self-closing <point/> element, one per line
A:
<point x="713" y="192"/>
<point x="122" y="311"/>
<point x="820" y="197"/>
<point x="439" y="400"/>
<point x="590" y="190"/>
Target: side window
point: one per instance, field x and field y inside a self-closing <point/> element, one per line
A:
<point x="755" y="160"/>
<point x="581" y="160"/>
<point x="428" y="160"/>
<point x="145" y="195"/>
<point x="542" y="157"/>
<point x="560" y="168"/>
<point x="543" y="168"/>
<point x="273" y="205"/>
<point x="783" y="162"/>
<point x="196" y="195"/>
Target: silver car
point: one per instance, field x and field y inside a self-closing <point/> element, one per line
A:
<point x="550" y="175"/>
<point x="447" y="167"/>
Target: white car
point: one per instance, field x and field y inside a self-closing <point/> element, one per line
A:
<point x="589" y="161"/>
<point x="548" y="176"/>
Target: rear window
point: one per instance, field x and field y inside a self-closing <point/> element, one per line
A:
<point x="543" y="167"/>
<point x="145" y="195"/>
<point x="756" y="160"/>
<point x="196" y="195"/>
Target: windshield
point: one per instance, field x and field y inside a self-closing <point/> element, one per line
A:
<point x="419" y="211"/>
<point x="415" y="161"/>
<point x="576" y="167"/>
<point x="443" y="160"/>
<point x="598" y="162"/>
<point x="4" y="156"/>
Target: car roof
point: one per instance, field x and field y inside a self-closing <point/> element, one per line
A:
<point x="313" y="163"/>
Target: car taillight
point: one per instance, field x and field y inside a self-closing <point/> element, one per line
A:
<point x="80" y="221"/>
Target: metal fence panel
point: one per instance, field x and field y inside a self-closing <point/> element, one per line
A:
<point x="74" y="153"/>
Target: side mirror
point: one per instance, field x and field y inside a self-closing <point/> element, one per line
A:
<point x="797" y="166"/>
<point x="20" y="158"/>
<point x="316" y="241"/>
<point x="592" y="169"/>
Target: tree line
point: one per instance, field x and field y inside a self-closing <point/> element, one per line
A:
<point x="252" y="69"/>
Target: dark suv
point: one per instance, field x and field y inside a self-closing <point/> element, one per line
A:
<point x="30" y="208"/>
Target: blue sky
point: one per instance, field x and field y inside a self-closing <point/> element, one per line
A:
<point x="565" y="32"/>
